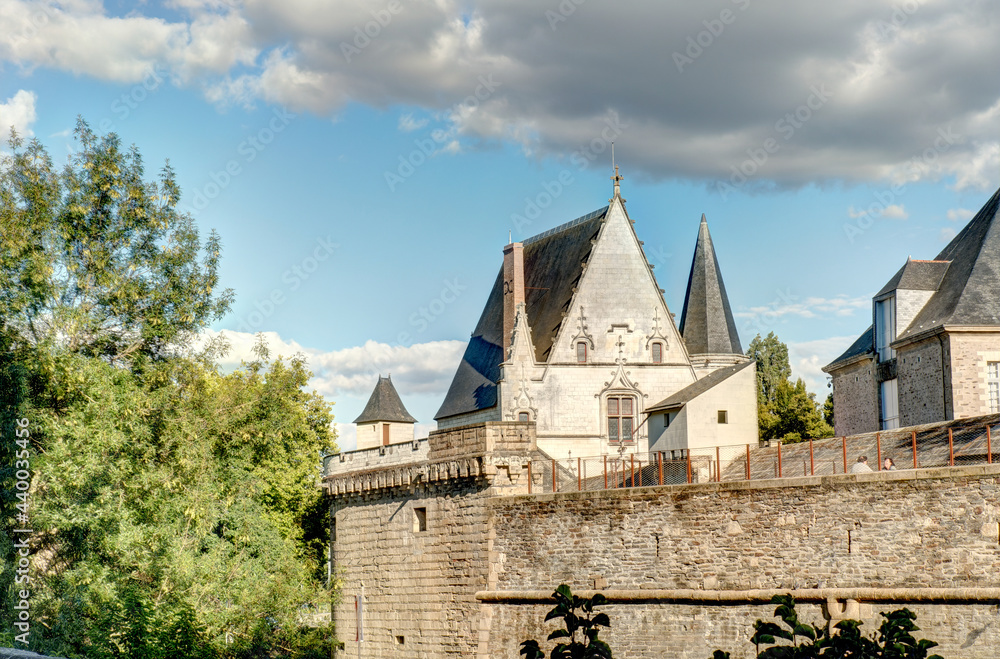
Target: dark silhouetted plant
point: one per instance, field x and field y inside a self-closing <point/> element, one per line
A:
<point x="893" y="640"/>
<point x="587" y="645"/>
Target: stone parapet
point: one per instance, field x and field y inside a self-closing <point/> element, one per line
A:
<point x="377" y="457"/>
<point x="491" y="437"/>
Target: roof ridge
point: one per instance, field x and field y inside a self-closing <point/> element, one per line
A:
<point x="568" y="225"/>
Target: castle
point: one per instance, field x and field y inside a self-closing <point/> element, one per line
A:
<point x="450" y="546"/>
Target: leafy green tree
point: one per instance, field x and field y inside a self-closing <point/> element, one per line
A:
<point x="893" y="640"/>
<point x="828" y="409"/>
<point x="98" y="260"/>
<point x="588" y="646"/>
<point x="176" y="507"/>
<point x="785" y="410"/>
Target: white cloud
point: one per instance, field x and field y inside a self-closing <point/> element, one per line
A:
<point x="892" y="211"/>
<point x="824" y="81"/>
<point x="807" y="358"/>
<point x="960" y="214"/>
<point x="421" y="368"/>
<point x="811" y="307"/>
<point x="17" y="112"/>
<point x="947" y="233"/>
<point x="408" y="124"/>
<point x="896" y="212"/>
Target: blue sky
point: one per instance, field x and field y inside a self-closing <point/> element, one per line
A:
<point x="365" y="161"/>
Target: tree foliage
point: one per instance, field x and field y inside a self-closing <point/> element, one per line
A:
<point x="98" y="260"/>
<point x="785" y="410"/>
<point x="175" y="507"/>
<point x="588" y="645"/>
<point x="893" y="640"/>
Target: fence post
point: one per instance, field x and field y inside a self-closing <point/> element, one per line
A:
<point x="529" y="476"/>
<point x="748" y="462"/>
<point x="914" y="441"/>
<point x="989" y="448"/>
<point x="632" y="468"/>
<point x="605" y="472"/>
<point x="554" y="475"/>
<point x="718" y="466"/>
<point x="659" y="462"/>
<point x="689" y="464"/>
<point x="878" y="450"/>
<point x="812" y="460"/>
<point x="951" y="449"/>
<point x="843" y="440"/>
<point x="779" y="458"/>
<point x="579" y="475"/>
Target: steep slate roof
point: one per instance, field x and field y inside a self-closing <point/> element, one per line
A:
<point x="864" y="345"/>
<point x="967" y="286"/>
<point x="385" y="405"/>
<point x="969" y="292"/>
<point x="916" y="276"/>
<point x="697" y="388"/>
<point x="707" y="323"/>
<point x="553" y="264"/>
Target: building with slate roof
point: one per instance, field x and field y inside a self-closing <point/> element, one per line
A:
<point x="577" y="337"/>
<point x="932" y="352"/>
<point x="384" y="420"/>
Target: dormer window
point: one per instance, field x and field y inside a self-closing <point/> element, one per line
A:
<point x="581" y="352"/>
<point x="885" y="327"/>
<point x="657" y="350"/>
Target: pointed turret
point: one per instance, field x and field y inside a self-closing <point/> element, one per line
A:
<point x="384" y="420"/>
<point x="707" y="323"/>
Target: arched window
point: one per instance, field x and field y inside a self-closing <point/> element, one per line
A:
<point x="621" y="418"/>
<point x="657" y="350"/>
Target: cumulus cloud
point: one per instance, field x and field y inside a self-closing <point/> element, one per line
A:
<point x="892" y="211"/>
<point x="857" y="90"/>
<point x="960" y="214"/>
<point x="17" y="112"/>
<point x="810" y="307"/>
<point x="421" y="368"/>
<point x="807" y="358"/>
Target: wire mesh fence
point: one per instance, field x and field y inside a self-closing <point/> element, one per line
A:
<point x="938" y="446"/>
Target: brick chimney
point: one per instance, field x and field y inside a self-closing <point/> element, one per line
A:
<point x="513" y="290"/>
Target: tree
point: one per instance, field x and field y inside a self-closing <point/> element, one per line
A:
<point x="828" y="409"/>
<point x="785" y="410"/>
<point x="175" y="507"/>
<point x="97" y="259"/>
<point x="589" y="646"/>
<point x="893" y="640"/>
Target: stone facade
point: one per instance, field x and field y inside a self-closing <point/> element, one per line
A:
<point x="450" y="553"/>
<point x="970" y="353"/>
<point x="855" y="398"/>
<point x="924" y="394"/>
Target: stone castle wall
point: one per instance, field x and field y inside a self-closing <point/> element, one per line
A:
<point x="452" y="590"/>
<point x="924" y="396"/>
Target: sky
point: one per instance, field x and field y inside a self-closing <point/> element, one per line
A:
<point x="364" y="162"/>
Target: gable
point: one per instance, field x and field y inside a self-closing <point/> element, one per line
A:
<point x="553" y="265"/>
<point x="617" y="296"/>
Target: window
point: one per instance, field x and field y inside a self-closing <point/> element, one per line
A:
<point x="723" y="416"/>
<point x="885" y="328"/>
<point x="657" y="353"/>
<point x="522" y="416"/>
<point x="581" y="352"/>
<point x="993" y="385"/>
<point x="890" y="404"/>
<point x="419" y="520"/>
<point x="621" y="418"/>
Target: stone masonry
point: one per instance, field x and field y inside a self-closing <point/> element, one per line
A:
<point x="454" y="558"/>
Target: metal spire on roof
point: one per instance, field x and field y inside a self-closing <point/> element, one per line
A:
<point x="617" y="177"/>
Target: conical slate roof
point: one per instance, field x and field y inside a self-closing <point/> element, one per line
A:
<point x="707" y="323"/>
<point x="385" y="405"/>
